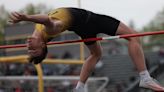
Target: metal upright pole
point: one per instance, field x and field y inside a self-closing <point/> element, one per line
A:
<point x="81" y="44"/>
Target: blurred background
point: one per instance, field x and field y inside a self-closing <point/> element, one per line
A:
<point x="115" y="64"/>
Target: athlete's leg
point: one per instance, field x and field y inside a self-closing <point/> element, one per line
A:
<point x="134" y="47"/>
<point x="136" y="53"/>
<point x="89" y="64"/>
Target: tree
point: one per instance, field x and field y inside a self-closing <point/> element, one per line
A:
<point x="3" y="21"/>
<point x="156" y="24"/>
<point x="32" y="9"/>
<point x="3" y="18"/>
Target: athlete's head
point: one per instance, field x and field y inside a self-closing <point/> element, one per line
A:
<point x="37" y="50"/>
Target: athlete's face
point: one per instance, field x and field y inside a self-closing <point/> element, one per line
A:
<point x="35" y="46"/>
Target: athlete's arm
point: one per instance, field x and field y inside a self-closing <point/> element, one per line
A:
<point x="37" y="18"/>
<point x="52" y="26"/>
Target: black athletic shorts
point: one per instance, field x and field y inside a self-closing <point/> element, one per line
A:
<point x="88" y="24"/>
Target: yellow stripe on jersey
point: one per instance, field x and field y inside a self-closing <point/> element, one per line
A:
<point x="41" y="28"/>
<point x="63" y="15"/>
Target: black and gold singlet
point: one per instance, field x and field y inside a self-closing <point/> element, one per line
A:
<point x="84" y="23"/>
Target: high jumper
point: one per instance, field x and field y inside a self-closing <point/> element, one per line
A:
<point x="86" y="24"/>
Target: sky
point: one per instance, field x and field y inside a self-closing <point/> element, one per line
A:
<point x="140" y="11"/>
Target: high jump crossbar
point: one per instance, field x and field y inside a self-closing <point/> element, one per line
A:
<point x="90" y="39"/>
<point x="38" y="67"/>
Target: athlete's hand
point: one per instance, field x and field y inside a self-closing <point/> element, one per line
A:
<point x="16" y="17"/>
<point x="37" y="50"/>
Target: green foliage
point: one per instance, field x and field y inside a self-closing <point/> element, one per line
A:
<point x="156" y="24"/>
<point x="1" y="38"/>
<point x="3" y="17"/>
<point x="31" y="9"/>
<point x="3" y="21"/>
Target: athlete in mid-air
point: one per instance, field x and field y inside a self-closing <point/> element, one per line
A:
<point x="86" y="24"/>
